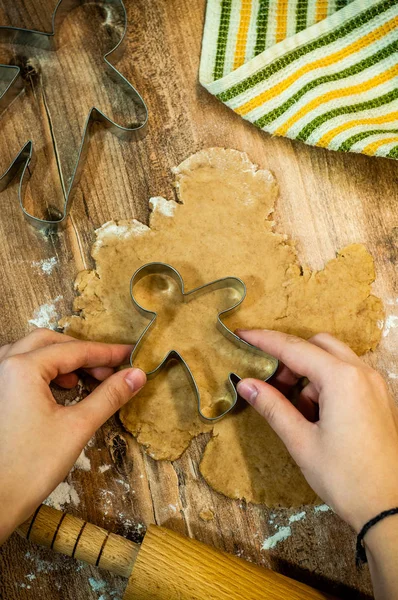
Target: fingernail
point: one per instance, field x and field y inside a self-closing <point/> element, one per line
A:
<point x="135" y="379"/>
<point x="248" y="391"/>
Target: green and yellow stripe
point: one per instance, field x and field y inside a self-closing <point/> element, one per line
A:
<point x="333" y="83"/>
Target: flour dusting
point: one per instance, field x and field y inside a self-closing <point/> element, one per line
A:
<point x="63" y="494"/>
<point x="113" y="230"/>
<point x="390" y="323"/>
<point x="83" y="462"/>
<point x="282" y="534"/>
<point x="104" y="468"/>
<point x="46" y="315"/>
<point x="392" y="375"/>
<point x="297" y="517"/>
<point x="163" y="206"/>
<point x="100" y="586"/>
<point x="47" y="265"/>
<point x="322" y="508"/>
<point x="96" y="585"/>
<point x="125" y="484"/>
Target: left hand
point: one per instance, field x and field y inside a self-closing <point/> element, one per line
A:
<point x="40" y="440"/>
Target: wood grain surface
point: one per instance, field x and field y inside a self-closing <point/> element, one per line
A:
<point x="326" y="201"/>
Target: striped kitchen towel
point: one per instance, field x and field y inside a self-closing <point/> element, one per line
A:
<point x="321" y="71"/>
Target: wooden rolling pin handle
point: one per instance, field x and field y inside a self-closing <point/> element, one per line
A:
<point x="81" y="540"/>
<point x="167" y="566"/>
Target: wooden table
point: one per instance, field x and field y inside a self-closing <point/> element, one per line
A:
<point x="326" y="201"/>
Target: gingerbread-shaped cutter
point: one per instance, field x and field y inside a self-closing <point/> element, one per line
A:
<point x="10" y="77"/>
<point x="159" y="268"/>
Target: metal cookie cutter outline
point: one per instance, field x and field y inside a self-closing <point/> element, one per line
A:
<point x="10" y="74"/>
<point x="159" y="268"/>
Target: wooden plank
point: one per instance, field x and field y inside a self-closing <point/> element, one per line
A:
<point x="326" y="201"/>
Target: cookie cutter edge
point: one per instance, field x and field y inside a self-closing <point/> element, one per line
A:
<point x="159" y="268"/>
<point x="14" y="86"/>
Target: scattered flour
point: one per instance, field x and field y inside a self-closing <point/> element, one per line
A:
<point x="104" y="468"/>
<point x="282" y="534"/>
<point x="83" y="462"/>
<point x="102" y="587"/>
<point x="125" y="484"/>
<point x="63" y="494"/>
<point x="96" y="584"/>
<point x="163" y="206"/>
<point x="41" y="565"/>
<point x="81" y="393"/>
<point x="392" y="301"/>
<point x="107" y="502"/>
<point x="297" y="517"/>
<point x="120" y="230"/>
<point x="392" y="375"/>
<point x="46" y="315"/>
<point x="138" y="228"/>
<point x="322" y="508"/>
<point x="47" y="265"/>
<point x="129" y="525"/>
<point x="390" y="323"/>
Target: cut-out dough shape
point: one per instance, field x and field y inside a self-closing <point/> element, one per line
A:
<point x="167" y="293"/>
<point x="222" y="225"/>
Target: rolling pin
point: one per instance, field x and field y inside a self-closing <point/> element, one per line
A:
<point x="166" y="566"/>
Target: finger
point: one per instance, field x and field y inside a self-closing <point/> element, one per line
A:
<point x="284" y="379"/>
<point x="101" y="373"/>
<point x="39" y="338"/>
<point x="283" y="417"/>
<point x="4" y="350"/>
<point x="336" y="347"/>
<point x="310" y="392"/>
<point x="109" y="397"/>
<point x="308" y="408"/>
<point x="42" y="337"/>
<point x="60" y="359"/>
<point x="68" y="381"/>
<point x="299" y="355"/>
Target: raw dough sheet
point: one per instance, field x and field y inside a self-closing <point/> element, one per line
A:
<point x="221" y="226"/>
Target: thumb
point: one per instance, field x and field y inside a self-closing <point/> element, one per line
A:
<point x="108" y="397"/>
<point x="287" y="422"/>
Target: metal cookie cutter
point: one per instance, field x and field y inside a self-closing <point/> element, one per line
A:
<point x="158" y="268"/>
<point x="11" y="80"/>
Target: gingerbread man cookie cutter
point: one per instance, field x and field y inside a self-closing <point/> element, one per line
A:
<point x="10" y="77"/>
<point x="158" y="268"/>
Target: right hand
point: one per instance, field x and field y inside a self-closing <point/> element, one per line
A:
<point x="343" y="434"/>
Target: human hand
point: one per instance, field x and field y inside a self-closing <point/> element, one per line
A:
<point x="40" y="440"/>
<point x="343" y="433"/>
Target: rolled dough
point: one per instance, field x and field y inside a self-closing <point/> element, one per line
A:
<point x="221" y="226"/>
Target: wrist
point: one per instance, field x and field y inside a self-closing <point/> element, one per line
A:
<point x="381" y="537"/>
<point x="370" y="508"/>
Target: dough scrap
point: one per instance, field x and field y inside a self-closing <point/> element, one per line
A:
<point x="221" y="226"/>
